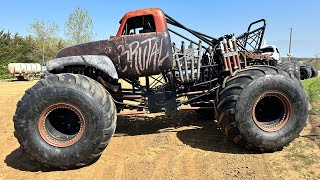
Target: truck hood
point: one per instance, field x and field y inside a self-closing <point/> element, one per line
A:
<point x="103" y="47"/>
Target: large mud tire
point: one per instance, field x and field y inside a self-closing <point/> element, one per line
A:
<point x="305" y="72"/>
<point x="292" y="68"/>
<point x="262" y="108"/>
<point x="65" y="121"/>
<point x="296" y="70"/>
<point x="314" y="72"/>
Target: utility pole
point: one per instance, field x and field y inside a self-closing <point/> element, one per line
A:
<point x="289" y="55"/>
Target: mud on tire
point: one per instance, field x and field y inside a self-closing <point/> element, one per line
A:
<point x="262" y="108"/>
<point x="65" y="121"/>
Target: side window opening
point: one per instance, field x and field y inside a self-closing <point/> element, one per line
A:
<point x="267" y="50"/>
<point x="139" y="25"/>
<point x="271" y="50"/>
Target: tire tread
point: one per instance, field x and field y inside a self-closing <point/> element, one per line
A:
<point x="88" y="85"/>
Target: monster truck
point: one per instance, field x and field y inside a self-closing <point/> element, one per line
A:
<point x="67" y="119"/>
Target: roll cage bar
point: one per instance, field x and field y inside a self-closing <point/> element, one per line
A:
<point x="250" y="39"/>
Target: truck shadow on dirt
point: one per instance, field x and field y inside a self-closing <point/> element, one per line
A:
<point x="191" y="129"/>
<point x="314" y="134"/>
<point x="17" y="159"/>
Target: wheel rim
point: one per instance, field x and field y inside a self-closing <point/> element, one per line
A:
<point x="61" y="125"/>
<point x="271" y="111"/>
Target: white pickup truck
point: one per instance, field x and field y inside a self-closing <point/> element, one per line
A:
<point x="271" y="49"/>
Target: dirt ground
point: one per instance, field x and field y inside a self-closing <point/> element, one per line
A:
<point x="182" y="145"/>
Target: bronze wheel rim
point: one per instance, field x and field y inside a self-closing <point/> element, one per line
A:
<point x="271" y="111"/>
<point x="61" y="125"/>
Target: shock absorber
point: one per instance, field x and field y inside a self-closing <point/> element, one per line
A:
<point x="226" y="55"/>
<point x="235" y="49"/>
<point x="233" y="55"/>
<point x="224" y="58"/>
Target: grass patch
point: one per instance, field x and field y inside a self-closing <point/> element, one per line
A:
<point x="312" y="86"/>
<point x="314" y="111"/>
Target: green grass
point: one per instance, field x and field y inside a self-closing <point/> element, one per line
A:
<point x="312" y="87"/>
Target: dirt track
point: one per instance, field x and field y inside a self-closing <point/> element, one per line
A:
<point x="178" y="146"/>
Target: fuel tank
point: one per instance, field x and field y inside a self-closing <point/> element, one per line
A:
<point x="18" y="68"/>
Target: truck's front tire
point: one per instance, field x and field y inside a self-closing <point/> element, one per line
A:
<point x="262" y="108"/>
<point x="65" y="121"/>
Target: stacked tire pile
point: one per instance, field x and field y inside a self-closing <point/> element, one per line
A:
<point x="300" y="71"/>
<point x="292" y="68"/>
<point x="307" y="71"/>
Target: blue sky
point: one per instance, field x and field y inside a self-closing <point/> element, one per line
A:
<point x="215" y="18"/>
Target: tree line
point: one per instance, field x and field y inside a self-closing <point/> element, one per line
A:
<point x="44" y="41"/>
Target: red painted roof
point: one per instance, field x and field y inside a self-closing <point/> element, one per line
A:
<point x="159" y="18"/>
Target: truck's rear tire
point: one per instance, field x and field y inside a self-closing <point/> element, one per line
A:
<point x="262" y="108"/>
<point x="65" y="120"/>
